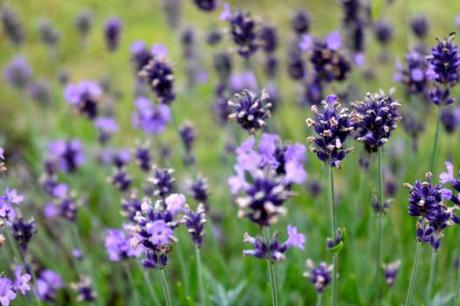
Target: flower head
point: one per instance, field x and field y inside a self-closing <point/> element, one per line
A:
<point x="194" y="222"/>
<point x="391" y="271"/>
<point x="159" y="76"/>
<point x="112" y="29"/>
<point x="152" y="119"/>
<point x="85" y="97"/>
<point x="243" y="30"/>
<point x="320" y="276"/>
<point x="47" y="284"/>
<point x="18" y="72"/>
<point x="207" y="5"/>
<point x="250" y="111"/>
<point x="444" y="62"/>
<point x="118" y="245"/>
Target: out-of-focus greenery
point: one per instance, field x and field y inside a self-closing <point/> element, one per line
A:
<point x="25" y="129"/>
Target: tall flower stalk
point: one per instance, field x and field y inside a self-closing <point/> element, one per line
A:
<point x="335" y="256"/>
<point x="164" y="285"/>
<point x="413" y="276"/>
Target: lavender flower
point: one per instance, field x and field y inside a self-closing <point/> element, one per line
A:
<point x="47" y="285"/>
<point x="48" y="34"/>
<point x="12" y="26"/>
<point x="419" y="26"/>
<point x="40" y="91"/>
<point x="84" y="22"/>
<point x="391" y="271"/>
<point x="199" y="191"/>
<point x="112" y="29"/>
<point x="21" y="281"/>
<point x="107" y="126"/>
<point x="159" y="76"/>
<point x="8" y="200"/>
<point x="152" y="119"/>
<point x="67" y="155"/>
<point x="140" y="55"/>
<point x="333" y="126"/>
<point x="121" y="179"/>
<point x="413" y="74"/>
<point x="243" y="30"/>
<point x="194" y="222"/>
<point x="163" y="182"/>
<point x="320" y="276"/>
<point x="250" y="111"/>
<point x="328" y="63"/>
<point x="118" y="246"/>
<point x="84" y="290"/>
<point x="143" y="158"/>
<point x="274" y="250"/>
<point x="7" y="291"/>
<point x="18" y="72"/>
<point x="445" y="62"/>
<point x="376" y="118"/>
<point x="383" y="32"/>
<point x="245" y="80"/>
<point x="85" y="97"/>
<point x="268" y="38"/>
<point x="188" y="135"/>
<point x="223" y="65"/>
<point x="207" y="5"/>
<point x="300" y="22"/>
<point x="23" y="231"/>
<point x="296" y="66"/>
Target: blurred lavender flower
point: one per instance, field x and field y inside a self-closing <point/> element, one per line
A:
<point x="84" y="22"/>
<point x="140" y="55"/>
<point x="23" y="232"/>
<point x="243" y="29"/>
<point x="274" y="250"/>
<point x="163" y="182"/>
<point x="333" y="126"/>
<point x="199" y="191"/>
<point x="383" y="32"/>
<point x="296" y="66"/>
<point x="159" y="76"/>
<point x="12" y="26"/>
<point x="121" y="179"/>
<point x="188" y="134"/>
<point x="445" y="62"/>
<point x="85" y="97"/>
<point x="118" y="246"/>
<point x="47" y="285"/>
<point x="143" y="158"/>
<point x="173" y="11"/>
<point x="328" y="63"/>
<point x="21" y="281"/>
<point x="107" y="126"/>
<point x="450" y="119"/>
<point x="7" y="291"/>
<point x="250" y="111"/>
<point x="112" y="29"/>
<point x="8" y="200"/>
<point x="419" y="26"/>
<point x="223" y="65"/>
<point x="207" y="5"/>
<point x="18" y="72"/>
<point x="391" y="271"/>
<point x="268" y="38"/>
<point x="320" y="276"/>
<point x="40" y="91"/>
<point x="84" y="290"/>
<point x="245" y="80"/>
<point x="413" y="74"/>
<point x="67" y="155"/>
<point x="152" y="119"/>
<point x="48" y="33"/>
<point x="300" y="22"/>
<point x="376" y="118"/>
<point x="194" y="222"/>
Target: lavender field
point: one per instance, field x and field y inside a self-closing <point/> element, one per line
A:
<point x="203" y="152"/>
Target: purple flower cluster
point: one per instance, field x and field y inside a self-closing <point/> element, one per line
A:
<point x="12" y="25"/>
<point x="159" y="76"/>
<point x="85" y="97"/>
<point x="10" y="288"/>
<point x="249" y="110"/>
<point x="375" y="119"/>
<point x="273" y="250"/>
<point x="333" y="126"/>
<point x="427" y="203"/>
<point x="320" y="276"/>
<point x="413" y="74"/>
<point x="118" y="245"/>
<point x="112" y="32"/>
<point x="66" y="155"/>
<point x="47" y="284"/>
<point x="8" y="200"/>
<point x="18" y="72"/>
<point x="195" y="222"/>
<point x="150" y="118"/>
<point x="243" y="29"/>
<point x="391" y="271"/>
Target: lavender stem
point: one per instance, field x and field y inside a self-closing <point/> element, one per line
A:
<point x="380" y="217"/>
<point x="271" y="270"/>
<point x="413" y="276"/>
<point x="429" y="288"/>
<point x="164" y="284"/>
<point x="335" y="257"/>
<point x="200" y="277"/>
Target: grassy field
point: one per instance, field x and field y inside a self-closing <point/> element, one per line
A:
<point x="230" y="279"/>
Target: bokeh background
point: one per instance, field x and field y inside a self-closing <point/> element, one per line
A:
<point x="27" y="126"/>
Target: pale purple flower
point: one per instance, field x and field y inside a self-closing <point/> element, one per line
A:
<point x="447" y="177"/>
<point x="160" y="233"/>
<point x="2" y="152"/>
<point x="175" y="203"/>
<point x="47" y="283"/>
<point x="226" y="12"/>
<point x="51" y="211"/>
<point x="159" y="51"/>
<point x="267" y="148"/>
<point x="152" y="119"/>
<point x="106" y="125"/>
<point x="18" y="72"/>
<point x="242" y="81"/>
<point x="295" y="239"/>
<point x="21" y="281"/>
<point x="247" y="158"/>
<point x="306" y="42"/>
<point x="12" y="196"/>
<point x="74" y="93"/>
<point x="118" y="245"/>
<point x="237" y="182"/>
<point x="7" y="293"/>
<point x="333" y="40"/>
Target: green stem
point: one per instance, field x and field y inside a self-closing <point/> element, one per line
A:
<point x="319" y="299"/>
<point x="164" y="284"/>
<point x="271" y="270"/>
<point x="429" y="287"/>
<point x="380" y="217"/>
<point x="152" y="292"/>
<point x="335" y="257"/>
<point x="132" y="283"/>
<point x="200" y="277"/>
<point x="413" y="276"/>
<point x="457" y="287"/>
<point x="436" y="141"/>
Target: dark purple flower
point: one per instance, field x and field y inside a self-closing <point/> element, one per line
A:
<point x="320" y="276"/>
<point x="223" y="65"/>
<point x="188" y="134"/>
<point x="85" y="97"/>
<point x="376" y="118"/>
<point x="333" y="126"/>
<point x="268" y="38"/>
<point x="383" y="32"/>
<point x="327" y="62"/>
<point x="214" y="37"/>
<point x="444" y="62"/>
<point x="391" y="271"/>
<point x="420" y="26"/>
<point x="413" y="74"/>
<point x="207" y="5"/>
<point x="23" y="232"/>
<point x="84" y="290"/>
<point x="195" y="221"/>
<point x="199" y="191"/>
<point x="112" y="29"/>
<point x="450" y="120"/>
<point x="250" y="111"/>
<point x="441" y="96"/>
<point x="121" y="179"/>
<point x="243" y="29"/>
<point x="143" y="158"/>
<point x="159" y="76"/>
<point x="84" y="22"/>
<point x="300" y="22"/>
<point x="140" y="55"/>
<point x="296" y="66"/>
<point x="18" y="72"/>
<point x="67" y="155"/>
<point x="12" y="26"/>
<point x="163" y="182"/>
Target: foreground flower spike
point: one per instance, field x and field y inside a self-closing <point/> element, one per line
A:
<point x="391" y="271"/>
<point x="159" y="76"/>
<point x="249" y="110"/>
<point x="273" y="250"/>
<point x="85" y="97"/>
<point x="47" y="284"/>
<point x="195" y="221"/>
<point x="333" y="126"/>
<point x="207" y="5"/>
<point x="243" y="30"/>
<point x="375" y="119"/>
<point x="112" y="29"/>
<point x="320" y="276"/>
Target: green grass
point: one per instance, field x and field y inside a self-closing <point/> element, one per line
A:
<point x="25" y="129"/>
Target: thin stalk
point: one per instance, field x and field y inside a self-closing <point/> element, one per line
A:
<point x="164" y="284"/>
<point x="457" y="287"/>
<point x="429" y="287"/>
<point x="132" y="284"/>
<point x="436" y="141"/>
<point x="152" y="292"/>
<point x="380" y="217"/>
<point x="200" y="277"/>
<point x="319" y="299"/>
<point x="335" y="257"/>
<point x="271" y="270"/>
<point x="413" y="277"/>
